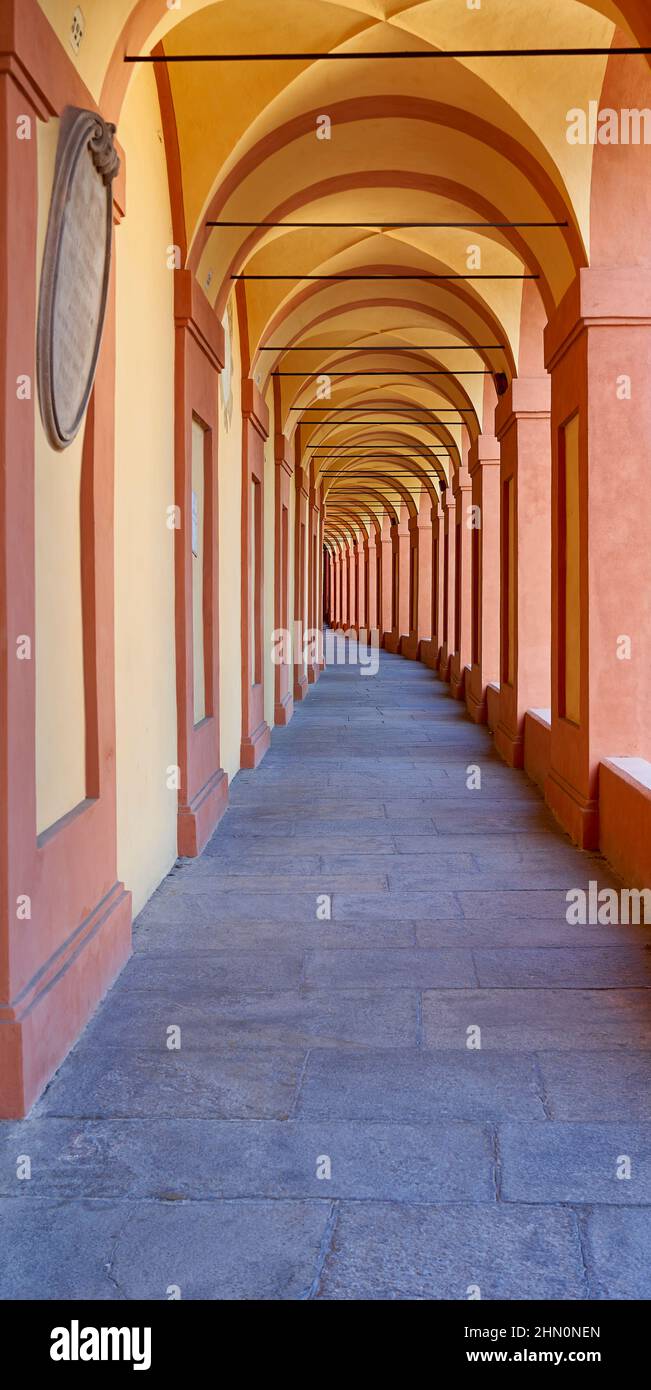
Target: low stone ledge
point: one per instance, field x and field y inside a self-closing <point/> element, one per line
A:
<point x="625" y="818"/>
<point x="537" y="744"/>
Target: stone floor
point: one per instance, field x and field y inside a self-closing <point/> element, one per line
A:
<point x="310" y="1043"/>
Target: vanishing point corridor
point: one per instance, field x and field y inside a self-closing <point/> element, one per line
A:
<point x="285" y="1094"/>
<point x="325" y="669"/>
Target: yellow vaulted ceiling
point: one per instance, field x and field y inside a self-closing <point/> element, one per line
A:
<point x="467" y="140"/>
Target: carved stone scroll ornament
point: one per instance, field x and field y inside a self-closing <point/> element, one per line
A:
<point x="76" y="271"/>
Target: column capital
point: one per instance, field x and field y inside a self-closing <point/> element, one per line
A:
<point x="526" y="398"/>
<point x="300" y="475"/>
<point x="253" y="407"/>
<point x="484" y="453"/>
<point x="283" y="454"/>
<point x="448" y="501"/>
<point x="462" y="482"/>
<point x="193" y="311"/>
<point x="599" y="296"/>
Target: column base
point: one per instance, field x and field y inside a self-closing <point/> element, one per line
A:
<point x="197" y="820"/>
<point x="410" y="646"/>
<point x="578" y="815"/>
<point x="457" y="679"/>
<point x="510" y="746"/>
<point x="476" y="704"/>
<point x="445" y="662"/>
<point x="284" y="710"/>
<point x="254" y="746"/>
<point x="392" y="642"/>
<point x="313" y="673"/>
<point x="39" y="1028"/>
<point x="300" y="687"/>
<point x="429" y="654"/>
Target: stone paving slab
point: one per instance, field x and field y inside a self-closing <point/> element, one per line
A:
<point x="491" y="845"/>
<point x="242" y="863"/>
<point x="527" y="904"/>
<point x="172" y="1159"/>
<point x="448" y="868"/>
<point x="230" y="1083"/>
<point x="266" y="936"/>
<point x="207" y="974"/>
<point x="138" y="1250"/>
<point x="617" y="1244"/>
<point x="224" y="885"/>
<point x="397" y="907"/>
<point x="595" y="1086"/>
<point x="533" y="1019"/>
<point x="415" y="1253"/>
<point x="321" y="808"/>
<point x="390" y="969"/>
<point x="584" y="968"/>
<point x="515" y="931"/>
<point x="290" y="1018"/>
<point x="401" y="1084"/>
<point x="575" y="1163"/>
<point x="216" y="904"/>
<point x="511" y="876"/>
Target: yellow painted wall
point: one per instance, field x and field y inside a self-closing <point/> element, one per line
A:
<point x="229" y="469"/>
<point x="144" y="489"/>
<point x="104" y="21"/>
<point x="58" y="648"/>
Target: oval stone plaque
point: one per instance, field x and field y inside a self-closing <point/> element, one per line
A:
<point x="75" y="273"/>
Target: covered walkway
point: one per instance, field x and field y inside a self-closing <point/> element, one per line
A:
<point x="284" y="1095"/>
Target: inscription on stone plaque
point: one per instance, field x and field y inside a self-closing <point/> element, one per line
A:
<point x="75" y="274"/>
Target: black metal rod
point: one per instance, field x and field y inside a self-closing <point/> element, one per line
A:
<point x="379" y="371"/>
<point x="380" y="226"/>
<point x="391" y="347"/>
<point x="420" y="276"/>
<point x="392" y="54"/>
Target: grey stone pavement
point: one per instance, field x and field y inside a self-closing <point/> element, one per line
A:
<point x="311" y="1043"/>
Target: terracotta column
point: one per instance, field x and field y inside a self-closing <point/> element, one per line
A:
<point x="461" y="656"/>
<point x="484" y="467"/>
<point x="430" y="648"/>
<point x="522" y="427"/>
<point x="317" y="580"/>
<point x="301" y="520"/>
<point x="256" y="735"/>
<point x="598" y="349"/>
<point x="321" y="559"/>
<point x="335" y="587"/>
<point x="424" y="614"/>
<point x="360" y="566"/>
<point x="372" y="619"/>
<point x="345" y="596"/>
<point x="284" y="702"/>
<point x="386" y="583"/>
<point x="448" y="504"/>
<point x="421" y="533"/>
<point x="352" y="585"/>
<point x="401" y="545"/>
<point x="327" y="597"/>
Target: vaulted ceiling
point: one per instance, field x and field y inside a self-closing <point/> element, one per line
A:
<point x="402" y="290"/>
